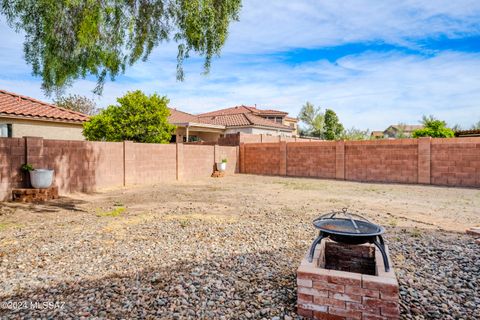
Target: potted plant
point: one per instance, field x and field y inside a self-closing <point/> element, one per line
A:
<point x="222" y="166"/>
<point x="39" y="178"/>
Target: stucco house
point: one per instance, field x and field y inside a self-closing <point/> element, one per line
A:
<point x="400" y="130"/>
<point x="24" y="116"/>
<point x="212" y="125"/>
<point x="248" y="119"/>
<point x="191" y="128"/>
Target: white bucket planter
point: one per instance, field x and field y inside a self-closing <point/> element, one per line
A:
<point x="41" y="178"/>
<point x="222" y="166"/>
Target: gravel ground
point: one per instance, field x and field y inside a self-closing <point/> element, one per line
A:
<point x="225" y="249"/>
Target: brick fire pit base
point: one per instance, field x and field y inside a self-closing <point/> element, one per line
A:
<point x="34" y="195"/>
<point x="347" y="282"/>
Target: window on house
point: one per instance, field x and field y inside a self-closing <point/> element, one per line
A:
<point x="279" y="120"/>
<point x="5" y="130"/>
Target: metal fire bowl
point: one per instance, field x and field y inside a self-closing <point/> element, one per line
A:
<point x="342" y="230"/>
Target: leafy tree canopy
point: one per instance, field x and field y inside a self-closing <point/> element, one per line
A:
<point x="355" y="134"/>
<point x="77" y="103"/>
<point x="433" y="128"/>
<point x="69" y="39"/>
<point x="137" y="117"/>
<point x="313" y="118"/>
<point x="333" y="129"/>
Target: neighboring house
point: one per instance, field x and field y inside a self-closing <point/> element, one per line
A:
<point x="376" y="135"/>
<point x="400" y="131"/>
<point x="247" y="119"/>
<point x="24" y="116"/>
<point x="468" y="133"/>
<point x="210" y="126"/>
<point x="191" y="128"/>
<point x="292" y="123"/>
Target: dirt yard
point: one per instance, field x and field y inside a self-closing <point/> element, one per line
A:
<point x="226" y="248"/>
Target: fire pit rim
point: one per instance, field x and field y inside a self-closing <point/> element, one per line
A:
<point x="349" y="237"/>
<point x="379" y="229"/>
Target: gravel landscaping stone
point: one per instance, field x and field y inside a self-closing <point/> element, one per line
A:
<point x="222" y="249"/>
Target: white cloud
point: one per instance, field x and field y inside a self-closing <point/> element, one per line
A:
<point x="368" y="90"/>
<point x="269" y="26"/>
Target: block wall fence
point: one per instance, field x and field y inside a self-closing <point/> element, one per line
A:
<point x="85" y="166"/>
<point x="234" y="139"/>
<point x="448" y="162"/>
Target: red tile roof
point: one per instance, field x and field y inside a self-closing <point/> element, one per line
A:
<point x="243" y="109"/>
<point x="466" y="133"/>
<point x="242" y="120"/>
<point x="291" y="119"/>
<point x="12" y="104"/>
<point x="240" y="116"/>
<point x="177" y="116"/>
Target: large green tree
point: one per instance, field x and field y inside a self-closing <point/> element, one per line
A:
<point x="313" y="118"/>
<point x="333" y="129"/>
<point x="70" y="39"/>
<point x="137" y="117"/>
<point x="433" y="128"/>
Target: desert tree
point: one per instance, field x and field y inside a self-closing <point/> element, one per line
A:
<point x="70" y="39"/>
<point x="313" y="118"/>
<point x="77" y="103"/>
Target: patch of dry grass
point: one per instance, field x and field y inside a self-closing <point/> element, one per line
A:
<point x="112" y="213"/>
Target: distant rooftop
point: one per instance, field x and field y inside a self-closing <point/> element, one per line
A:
<point x="245" y="116"/>
<point x="244" y="109"/>
<point x="405" y="127"/>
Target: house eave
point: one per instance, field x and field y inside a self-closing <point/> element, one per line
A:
<point x="262" y="127"/>
<point x="36" y="118"/>
<point x="199" y="125"/>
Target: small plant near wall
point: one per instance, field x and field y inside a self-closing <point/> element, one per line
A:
<point x="27" y="167"/>
<point x="222" y="166"/>
<point x="39" y="178"/>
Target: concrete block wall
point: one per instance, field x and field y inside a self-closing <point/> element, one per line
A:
<point x="450" y="162"/>
<point x="261" y="158"/>
<point x="455" y="162"/>
<point x="85" y="166"/>
<point x="12" y="156"/>
<point x="308" y="160"/>
<point x="148" y="163"/>
<point x="382" y="161"/>
<point x="231" y="154"/>
<point x="235" y="139"/>
<point x="198" y="161"/>
<point x="79" y="165"/>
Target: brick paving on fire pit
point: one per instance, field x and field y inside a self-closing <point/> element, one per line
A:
<point x="226" y="249"/>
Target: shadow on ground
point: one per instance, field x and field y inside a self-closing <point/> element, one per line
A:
<point x="62" y="203"/>
<point x="235" y="287"/>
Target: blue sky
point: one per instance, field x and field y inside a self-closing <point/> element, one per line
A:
<point x="374" y="62"/>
